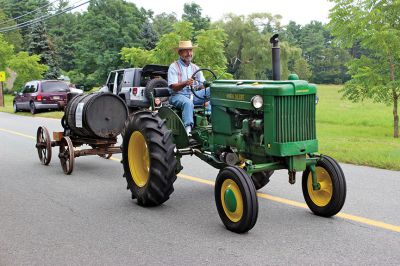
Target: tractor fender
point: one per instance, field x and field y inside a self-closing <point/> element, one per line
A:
<point x="175" y="124"/>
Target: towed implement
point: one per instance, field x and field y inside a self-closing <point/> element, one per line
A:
<point x="94" y="119"/>
<point x="255" y="128"/>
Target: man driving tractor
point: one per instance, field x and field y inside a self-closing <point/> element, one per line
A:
<point x="180" y="80"/>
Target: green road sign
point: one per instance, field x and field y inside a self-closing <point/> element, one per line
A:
<point x="2" y="76"/>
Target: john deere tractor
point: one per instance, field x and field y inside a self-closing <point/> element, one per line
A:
<point x="255" y="128"/>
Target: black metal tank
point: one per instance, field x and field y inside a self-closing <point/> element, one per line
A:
<point x="96" y="115"/>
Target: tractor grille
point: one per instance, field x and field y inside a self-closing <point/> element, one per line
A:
<point x="295" y="118"/>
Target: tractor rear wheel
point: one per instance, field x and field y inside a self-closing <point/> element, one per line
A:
<point x="148" y="158"/>
<point x="260" y="179"/>
<point x="236" y="199"/>
<point x="330" y="198"/>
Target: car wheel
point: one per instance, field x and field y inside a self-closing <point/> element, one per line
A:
<point x="32" y="108"/>
<point x="15" y="107"/>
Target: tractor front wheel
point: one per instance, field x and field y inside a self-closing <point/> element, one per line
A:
<point x="329" y="199"/>
<point x="148" y="158"/>
<point x="236" y="199"/>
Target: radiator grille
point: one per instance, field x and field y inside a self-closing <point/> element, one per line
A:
<point x="295" y="118"/>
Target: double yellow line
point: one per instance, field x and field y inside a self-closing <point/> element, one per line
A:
<point x="354" y="218"/>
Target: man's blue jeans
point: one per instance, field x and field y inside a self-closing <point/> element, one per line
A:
<point x="184" y="103"/>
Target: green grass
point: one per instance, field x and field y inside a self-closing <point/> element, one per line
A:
<point x="357" y="133"/>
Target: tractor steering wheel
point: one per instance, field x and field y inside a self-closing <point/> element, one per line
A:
<point x="205" y="88"/>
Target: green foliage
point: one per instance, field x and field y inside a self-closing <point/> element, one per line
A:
<point x="6" y="52"/>
<point x="163" y="23"/>
<point x="12" y="37"/>
<point x="192" y="14"/>
<point x="104" y="29"/>
<point x="137" y="57"/>
<point x="27" y="67"/>
<point x="248" y="49"/>
<point x="165" y="51"/>
<point x="148" y="37"/>
<point x="40" y="44"/>
<point x="375" y="26"/>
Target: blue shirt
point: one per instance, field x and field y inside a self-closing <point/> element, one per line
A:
<point x="179" y="72"/>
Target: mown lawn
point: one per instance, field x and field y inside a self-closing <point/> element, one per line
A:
<point x="8" y="108"/>
<point x="357" y="133"/>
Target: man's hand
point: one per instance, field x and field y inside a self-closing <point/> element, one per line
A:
<point x="189" y="82"/>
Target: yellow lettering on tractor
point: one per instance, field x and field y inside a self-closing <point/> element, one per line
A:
<point x="234" y="96"/>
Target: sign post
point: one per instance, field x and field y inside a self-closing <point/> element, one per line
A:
<point x="2" y="79"/>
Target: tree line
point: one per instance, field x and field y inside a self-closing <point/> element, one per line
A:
<point x="113" y="34"/>
<point x="358" y="47"/>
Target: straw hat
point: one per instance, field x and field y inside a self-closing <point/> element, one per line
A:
<point x="183" y="45"/>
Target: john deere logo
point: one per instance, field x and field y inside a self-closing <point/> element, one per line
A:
<point x="235" y="96"/>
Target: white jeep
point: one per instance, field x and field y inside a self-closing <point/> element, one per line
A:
<point x="134" y="85"/>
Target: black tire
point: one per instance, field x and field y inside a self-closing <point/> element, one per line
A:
<point x="32" y="108"/>
<point x="15" y="108"/>
<point x="148" y="158"/>
<point x="240" y="216"/>
<point x="260" y="179"/>
<point x="154" y="83"/>
<point x="330" y="199"/>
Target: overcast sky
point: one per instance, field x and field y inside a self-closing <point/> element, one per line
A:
<point x="300" y="11"/>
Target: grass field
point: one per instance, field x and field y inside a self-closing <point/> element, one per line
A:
<point x="357" y="133"/>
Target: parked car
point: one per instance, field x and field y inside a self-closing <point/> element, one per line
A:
<point x="131" y="84"/>
<point x="41" y="95"/>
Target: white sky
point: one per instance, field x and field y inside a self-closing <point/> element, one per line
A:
<point x="300" y="11"/>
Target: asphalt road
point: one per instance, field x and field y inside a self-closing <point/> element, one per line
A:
<point x="88" y="218"/>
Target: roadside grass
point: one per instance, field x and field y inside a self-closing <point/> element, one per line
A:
<point x="357" y="133"/>
<point x="8" y="108"/>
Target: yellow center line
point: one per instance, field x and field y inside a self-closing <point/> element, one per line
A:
<point x="17" y="133"/>
<point x="346" y="216"/>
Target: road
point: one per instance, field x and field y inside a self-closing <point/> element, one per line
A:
<point x="88" y="218"/>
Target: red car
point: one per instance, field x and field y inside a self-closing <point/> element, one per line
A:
<point x="41" y="95"/>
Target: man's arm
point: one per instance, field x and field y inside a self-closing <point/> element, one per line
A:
<point x="173" y="82"/>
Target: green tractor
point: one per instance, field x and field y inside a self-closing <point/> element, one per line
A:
<point x="255" y="127"/>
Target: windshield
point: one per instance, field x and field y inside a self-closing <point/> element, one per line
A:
<point x="54" y="86"/>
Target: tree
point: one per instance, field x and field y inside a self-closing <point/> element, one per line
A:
<point x="163" y="23"/>
<point x="147" y="35"/>
<point x="13" y="37"/>
<point x="210" y="51"/>
<point x="192" y="13"/>
<point x="6" y="52"/>
<point x="63" y="31"/>
<point x="41" y="45"/>
<point x="248" y="49"/>
<point x="104" y="29"/>
<point x="376" y="27"/>
<point x="27" y="68"/>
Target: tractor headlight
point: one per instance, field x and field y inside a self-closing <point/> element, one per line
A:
<point x="257" y="101"/>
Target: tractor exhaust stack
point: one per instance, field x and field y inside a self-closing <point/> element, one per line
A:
<point x="276" y="57"/>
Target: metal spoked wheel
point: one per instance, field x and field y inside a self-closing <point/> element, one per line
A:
<point x="43" y="145"/>
<point x="66" y="155"/>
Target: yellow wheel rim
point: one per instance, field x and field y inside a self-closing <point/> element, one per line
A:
<point x="230" y="187"/>
<point x="138" y="158"/>
<point x="322" y="196"/>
